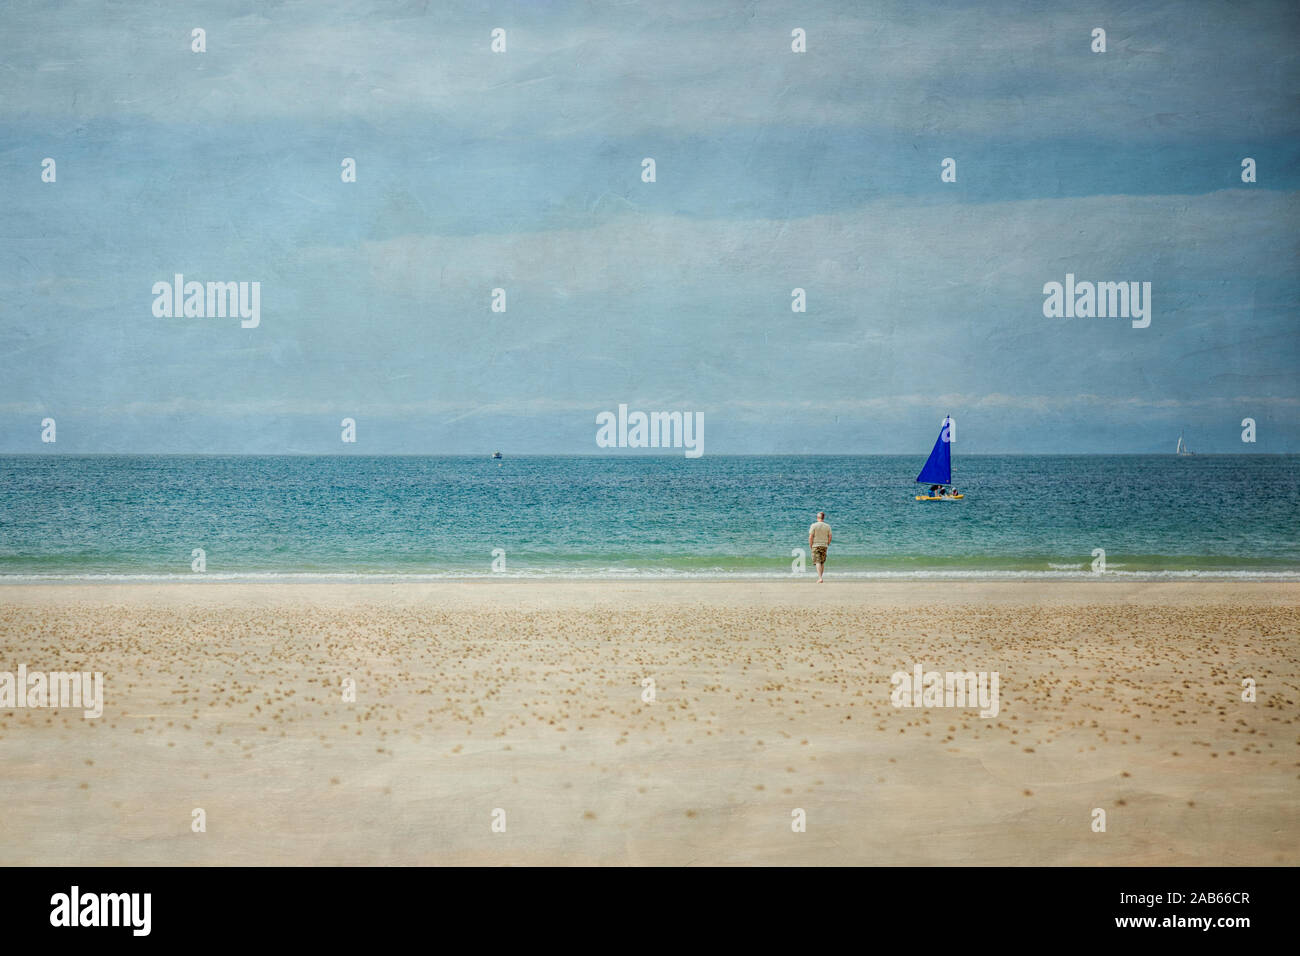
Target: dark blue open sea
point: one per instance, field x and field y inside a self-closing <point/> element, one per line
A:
<point x="67" y="516"/>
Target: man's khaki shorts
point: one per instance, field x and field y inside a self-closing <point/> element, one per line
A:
<point x="819" y="554"/>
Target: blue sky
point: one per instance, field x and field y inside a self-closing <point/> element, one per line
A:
<point x="775" y="170"/>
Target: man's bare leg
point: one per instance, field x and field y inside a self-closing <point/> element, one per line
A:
<point x="819" y="572"/>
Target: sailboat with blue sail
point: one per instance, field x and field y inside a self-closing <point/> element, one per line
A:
<point x="937" y="472"/>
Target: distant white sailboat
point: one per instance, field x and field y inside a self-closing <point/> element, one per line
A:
<point x="1182" y="447"/>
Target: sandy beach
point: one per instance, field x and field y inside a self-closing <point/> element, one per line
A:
<point x="769" y="698"/>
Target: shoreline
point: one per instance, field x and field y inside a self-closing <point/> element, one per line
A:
<point x="905" y="592"/>
<point x="850" y="578"/>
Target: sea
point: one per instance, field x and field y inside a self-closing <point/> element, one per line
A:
<point x="138" y="517"/>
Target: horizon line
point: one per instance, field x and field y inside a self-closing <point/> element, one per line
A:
<point x="671" y="455"/>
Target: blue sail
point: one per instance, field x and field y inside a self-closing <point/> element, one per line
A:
<point x="938" y="467"/>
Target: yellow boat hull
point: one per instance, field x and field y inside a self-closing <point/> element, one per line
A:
<point x="939" y="497"/>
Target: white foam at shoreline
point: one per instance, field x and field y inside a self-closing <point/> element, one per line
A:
<point x="599" y="574"/>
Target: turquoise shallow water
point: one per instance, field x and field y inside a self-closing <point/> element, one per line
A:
<point x="1024" y="516"/>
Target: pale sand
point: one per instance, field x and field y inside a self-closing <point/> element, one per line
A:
<point x="527" y="697"/>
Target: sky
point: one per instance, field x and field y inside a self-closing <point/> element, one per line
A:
<point x="522" y="170"/>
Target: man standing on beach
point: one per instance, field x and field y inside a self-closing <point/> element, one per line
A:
<point x="819" y="539"/>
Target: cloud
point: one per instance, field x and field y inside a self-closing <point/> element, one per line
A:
<point x="1007" y="249"/>
<point x="738" y="410"/>
<point x="1008" y="69"/>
